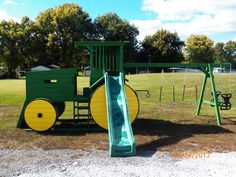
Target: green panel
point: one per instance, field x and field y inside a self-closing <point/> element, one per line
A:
<point x="105" y="56"/>
<point x="21" y="122"/>
<point x="95" y="76"/>
<point x="56" y="85"/>
<point x="99" y="43"/>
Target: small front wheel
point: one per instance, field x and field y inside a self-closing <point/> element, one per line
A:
<point x="40" y="115"/>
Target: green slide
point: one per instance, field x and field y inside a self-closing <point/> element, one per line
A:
<point x="121" y="138"/>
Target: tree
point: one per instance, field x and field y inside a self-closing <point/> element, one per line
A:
<point x="29" y="43"/>
<point x="10" y="45"/>
<point x="163" y="46"/>
<point x="230" y="51"/>
<point x="219" y="52"/>
<point x="59" y="28"/>
<point x="225" y="52"/>
<point x="111" y="27"/>
<point x="198" y="49"/>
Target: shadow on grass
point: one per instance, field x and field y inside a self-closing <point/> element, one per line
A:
<point x="170" y="133"/>
<point x="63" y="130"/>
<point x="148" y="127"/>
<point x="166" y="132"/>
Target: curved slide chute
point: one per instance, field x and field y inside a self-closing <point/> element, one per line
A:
<point x="121" y="138"/>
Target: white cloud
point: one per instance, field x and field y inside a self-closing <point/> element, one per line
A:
<point x="189" y="17"/>
<point x="9" y="2"/>
<point x="7" y="17"/>
<point x="146" y="27"/>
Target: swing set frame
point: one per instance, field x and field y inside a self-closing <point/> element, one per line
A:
<point x="206" y="68"/>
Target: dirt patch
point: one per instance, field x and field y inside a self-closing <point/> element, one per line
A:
<point x="173" y="137"/>
<point x="175" y="132"/>
<point x="150" y="135"/>
<point x="7" y="111"/>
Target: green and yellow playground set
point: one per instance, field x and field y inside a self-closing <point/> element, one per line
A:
<point x="108" y="101"/>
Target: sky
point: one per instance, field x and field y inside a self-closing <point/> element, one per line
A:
<point x="214" y="18"/>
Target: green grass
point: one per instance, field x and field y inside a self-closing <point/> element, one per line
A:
<point x="152" y="82"/>
<point x="12" y="95"/>
<point x="12" y="92"/>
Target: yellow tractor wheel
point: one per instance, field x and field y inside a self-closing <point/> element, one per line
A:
<point x="40" y="115"/>
<point x="98" y="105"/>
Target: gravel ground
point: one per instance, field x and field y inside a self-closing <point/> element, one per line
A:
<point x="72" y="163"/>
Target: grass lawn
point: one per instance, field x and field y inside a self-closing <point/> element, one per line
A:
<point x="157" y="118"/>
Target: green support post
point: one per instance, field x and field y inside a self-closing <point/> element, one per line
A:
<point x="209" y="74"/>
<point x="202" y="94"/>
<point x="91" y="58"/>
<point x="121" y="64"/>
<point x="21" y="122"/>
<point x="213" y="88"/>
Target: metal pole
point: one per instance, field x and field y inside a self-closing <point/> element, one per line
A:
<point x="160" y="93"/>
<point x="196" y="93"/>
<point x="185" y="80"/>
<point x="161" y="83"/>
<point x="195" y="82"/>
<point x="173" y="87"/>
<point x="183" y="93"/>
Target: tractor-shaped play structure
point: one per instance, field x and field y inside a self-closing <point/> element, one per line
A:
<point x="108" y="101"/>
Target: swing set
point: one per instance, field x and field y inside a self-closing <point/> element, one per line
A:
<point x="107" y="102"/>
<point x="207" y="69"/>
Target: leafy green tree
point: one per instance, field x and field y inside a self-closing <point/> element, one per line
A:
<point x="10" y="45"/>
<point x="111" y="27"/>
<point x="219" y="52"/>
<point x="198" y="49"/>
<point x="230" y="52"/>
<point x="163" y="46"/>
<point x="59" y="28"/>
<point x="29" y="43"/>
<point x="225" y="52"/>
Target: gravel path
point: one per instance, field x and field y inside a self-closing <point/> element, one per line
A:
<point x="73" y="163"/>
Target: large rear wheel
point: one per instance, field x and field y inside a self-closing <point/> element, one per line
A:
<point x="98" y="105"/>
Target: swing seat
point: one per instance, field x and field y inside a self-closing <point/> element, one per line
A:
<point x="146" y="91"/>
<point x="226" y="105"/>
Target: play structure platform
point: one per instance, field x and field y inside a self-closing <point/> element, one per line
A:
<point x="108" y="102"/>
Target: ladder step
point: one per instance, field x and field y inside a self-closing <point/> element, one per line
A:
<point x="84" y="115"/>
<point x="83" y="99"/>
<point x="83" y="107"/>
<point x="83" y="120"/>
